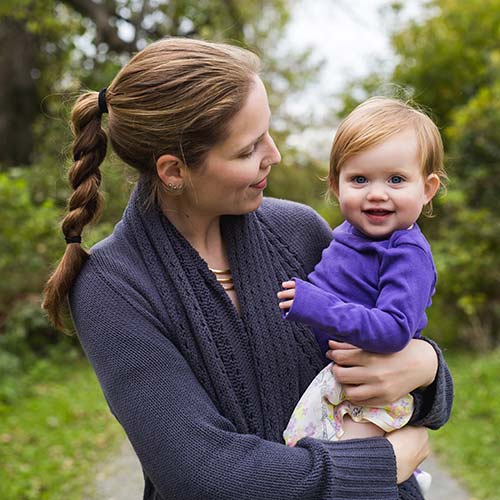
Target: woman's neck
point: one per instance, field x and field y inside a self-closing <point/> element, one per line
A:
<point x="202" y="232"/>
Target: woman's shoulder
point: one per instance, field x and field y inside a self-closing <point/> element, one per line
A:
<point x="299" y="227"/>
<point x="270" y="205"/>
<point x="283" y="212"/>
<point x="114" y="254"/>
<point x="115" y="265"/>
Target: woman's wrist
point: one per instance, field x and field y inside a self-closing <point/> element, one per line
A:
<point x="411" y="447"/>
<point x="434" y="398"/>
<point x="427" y="360"/>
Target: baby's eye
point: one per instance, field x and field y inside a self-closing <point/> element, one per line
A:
<point x="359" y="179"/>
<point x="396" y="179"/>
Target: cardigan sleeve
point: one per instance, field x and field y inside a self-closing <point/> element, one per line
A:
<point x="186" y="447"/>
<point x="406" y="283"/>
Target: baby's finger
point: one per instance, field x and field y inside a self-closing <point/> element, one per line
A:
<point x="286" y="304"/>
<point x="288" y="284"/>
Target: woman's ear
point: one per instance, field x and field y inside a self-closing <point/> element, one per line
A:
<point x="432" y="183"/>
<point x="171" y="170"/>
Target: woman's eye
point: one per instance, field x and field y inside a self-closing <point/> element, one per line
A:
<point x="396" y="179"/>
<point x="250" y="152"/>
<point x="359" y="179"/>
<point x="247" y="154"/>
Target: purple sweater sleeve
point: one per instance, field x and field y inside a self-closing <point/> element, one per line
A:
<point x="186" y="447"/>
<point x="407" y="281"/>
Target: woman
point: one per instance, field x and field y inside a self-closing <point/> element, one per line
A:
<point x="176" y="310"/>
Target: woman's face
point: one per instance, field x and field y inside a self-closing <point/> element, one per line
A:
<point x="234" y="175"/>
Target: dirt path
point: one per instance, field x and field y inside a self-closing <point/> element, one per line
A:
<point x="443" y="487"/>
<point x="120" y="478"/>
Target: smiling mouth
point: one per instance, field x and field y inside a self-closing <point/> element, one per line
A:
<point x="261" y="184"/>
<point x="377" y="215"/>
<point x="378" y="212"/>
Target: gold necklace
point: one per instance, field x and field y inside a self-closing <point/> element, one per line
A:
<point x="224" y="277"/>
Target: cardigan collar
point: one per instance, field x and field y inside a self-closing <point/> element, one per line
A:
<point x="236" y="359"/>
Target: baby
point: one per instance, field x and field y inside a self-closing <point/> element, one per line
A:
<point x="377" y="277"/>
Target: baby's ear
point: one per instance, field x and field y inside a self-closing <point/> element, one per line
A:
<point x="432" y="183"/>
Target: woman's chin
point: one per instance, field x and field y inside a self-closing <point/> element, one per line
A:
<point x="257" y="202"/>
<point x="250" y="205"/>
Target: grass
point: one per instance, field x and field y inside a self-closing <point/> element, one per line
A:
<point x="469" y="445"/>
<point x="54" y="427"/>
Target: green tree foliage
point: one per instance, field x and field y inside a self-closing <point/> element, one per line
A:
<point x="450" y="55"/>
<point x="448" y="61"/>
<point x="28" y="242"/>
<point x="27" y="238"/>
<point x="469" y="241"/>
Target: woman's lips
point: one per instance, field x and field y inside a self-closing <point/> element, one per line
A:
<point x="260" y="185"/>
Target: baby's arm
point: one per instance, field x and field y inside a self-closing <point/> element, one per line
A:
<point x="406" y="284"/>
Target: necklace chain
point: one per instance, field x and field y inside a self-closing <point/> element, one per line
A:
<point x="224" y="277"/>
<point x="220" y="271"/>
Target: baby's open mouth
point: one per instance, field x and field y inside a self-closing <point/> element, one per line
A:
<point x="377" y="211"/>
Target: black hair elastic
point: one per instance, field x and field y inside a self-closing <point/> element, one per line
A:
<point x="73" y="239"/>
<point x="101" y="101"/>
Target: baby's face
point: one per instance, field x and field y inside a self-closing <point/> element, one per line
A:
<point x="383" y="188"/>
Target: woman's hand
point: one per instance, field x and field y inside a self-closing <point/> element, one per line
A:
<point x="411" y="448"/>
<point x="379" y="379"/>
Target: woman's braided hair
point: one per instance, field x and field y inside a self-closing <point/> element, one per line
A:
<point x="176" y="97"/>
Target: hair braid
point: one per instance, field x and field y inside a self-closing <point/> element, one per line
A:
<point x="176" y="96"/>
<point x="84" y="205"/>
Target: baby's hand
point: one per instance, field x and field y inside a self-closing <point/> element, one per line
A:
<point x="287" y="295"/>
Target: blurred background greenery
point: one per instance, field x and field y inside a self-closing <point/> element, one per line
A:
<point x="447" y="60"/>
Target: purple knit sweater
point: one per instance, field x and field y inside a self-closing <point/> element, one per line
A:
<point x="370" y="293"/>
<point x="203" y="393"/>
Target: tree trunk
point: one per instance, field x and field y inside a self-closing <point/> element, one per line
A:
<point x="19" y="102"/>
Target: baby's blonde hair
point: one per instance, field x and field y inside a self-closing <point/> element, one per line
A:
<point x="376" y="120"/>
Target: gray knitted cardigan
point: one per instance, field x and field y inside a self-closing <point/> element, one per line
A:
<point x="203" y="393"/>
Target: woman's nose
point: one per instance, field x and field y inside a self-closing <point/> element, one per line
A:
<point x="273" y="156"/>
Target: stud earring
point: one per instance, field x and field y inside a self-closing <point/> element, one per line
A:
<point x="174" y="188"/>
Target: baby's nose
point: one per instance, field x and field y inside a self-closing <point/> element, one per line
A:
<point x="377" y="193"/>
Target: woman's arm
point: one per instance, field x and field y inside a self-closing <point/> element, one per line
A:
<point x="404" y="442"/>
<point x="374" y="379"/>
<point x="186" y="447"/>
<point x="433" y="402"/>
